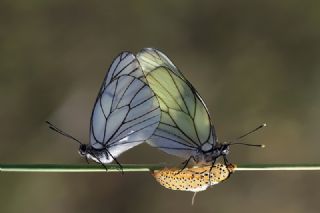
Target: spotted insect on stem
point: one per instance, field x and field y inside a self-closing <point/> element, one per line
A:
<point x="194" y="179"/>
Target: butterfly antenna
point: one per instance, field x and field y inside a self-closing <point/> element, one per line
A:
<point x="248" y="144"/>
<point x="248" y="133"/>
<point x="56" y="129"/>
<point x="252" y="131"/>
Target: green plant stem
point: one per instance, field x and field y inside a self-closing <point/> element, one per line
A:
<point x="278" y="167"/>
<point x="78" y="168"/>
<point x="143" y="167"/>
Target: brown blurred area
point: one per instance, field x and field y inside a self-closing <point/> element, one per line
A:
<point x="252" y="61"/>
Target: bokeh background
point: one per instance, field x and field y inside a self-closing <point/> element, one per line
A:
<point x="252" y="61"/>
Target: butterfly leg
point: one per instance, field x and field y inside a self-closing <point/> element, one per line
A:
<point x="104" y="166"/>
<point x="117" y="162"/>
<point x="87" y="160"/>
<point x="185" y="164"/>
<point x="226" y="162"/>
<point x="100" y="162"/>
<point x="212" y="164"/>
<point x="211" y="167"/>
<point x="120" y="166"/>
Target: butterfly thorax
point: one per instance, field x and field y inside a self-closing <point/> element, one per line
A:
<point x="98" y="155"/>
<point x="210" y="155"/>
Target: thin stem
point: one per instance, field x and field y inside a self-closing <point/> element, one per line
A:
<point x="278" y="167"/>
<point x="78" y="168"/>
<point x="143" y="167"/>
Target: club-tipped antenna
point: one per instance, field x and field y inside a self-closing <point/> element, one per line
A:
<point x="235" y="142"/>
<point x="56" y="129"/>
<point x="252" y="131"/>
<point x="249" y="144"/>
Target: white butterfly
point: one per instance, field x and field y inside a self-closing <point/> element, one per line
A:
<point x="146" y="98"/>
<point x="125" y="114"/>
<point x="185" y="128"/>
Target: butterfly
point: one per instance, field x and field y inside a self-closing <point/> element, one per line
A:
<point x="185" y="129"/>
<point x="125" y="114"/>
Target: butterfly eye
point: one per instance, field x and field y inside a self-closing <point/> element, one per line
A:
<point x="83" y="149"/>
<point x="225" y="150"/>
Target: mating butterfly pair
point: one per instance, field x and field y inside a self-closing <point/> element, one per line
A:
<point x="145" y="98"/>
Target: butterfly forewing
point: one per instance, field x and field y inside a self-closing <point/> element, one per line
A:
<point x="151" y="58"/>
<point x="125" y="64"/>
<point x="185" y="123"/>
<point x="126" y="112"/>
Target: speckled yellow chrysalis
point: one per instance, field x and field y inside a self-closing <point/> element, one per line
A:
<point x="193" y="179"/>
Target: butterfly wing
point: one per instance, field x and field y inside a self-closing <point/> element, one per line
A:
<point x="185" y="125"/>
<point x="126" y="111"/>
<point x="151" y="58"/>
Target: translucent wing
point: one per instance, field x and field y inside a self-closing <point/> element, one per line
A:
<point x="125" y="64"/>
<point x="185" y="123"/>
<point x="126" y="111"/>
<point x="151" y="58"/>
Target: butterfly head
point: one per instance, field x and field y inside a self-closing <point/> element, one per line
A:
<point x="221" y="149"/>
<point x="83" y="150"/>
<point x="210" y="154"/>
<point x="224" y="149"/>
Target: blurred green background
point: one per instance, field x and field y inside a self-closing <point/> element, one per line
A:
<point x="252" y="61"/>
